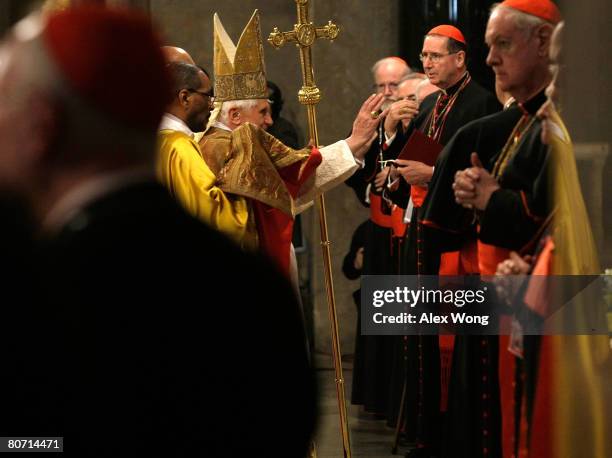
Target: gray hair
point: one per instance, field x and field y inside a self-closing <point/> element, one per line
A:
<point x="239" y="104"/>
<point x="412" y="76"/>
<point x="398" y="60"/>
<point x="522" y="21"/>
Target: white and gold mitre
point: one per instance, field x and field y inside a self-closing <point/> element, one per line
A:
<point x="240" y="72"/>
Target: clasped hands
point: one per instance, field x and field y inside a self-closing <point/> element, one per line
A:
<point x="473" y="187"/>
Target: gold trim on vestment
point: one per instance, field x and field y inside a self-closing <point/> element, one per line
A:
<point x="240" y="72"/>
<point x="246" y="162"/>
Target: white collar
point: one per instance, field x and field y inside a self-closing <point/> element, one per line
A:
<point x="220" y="125"/>
<point x="171" y="122"/>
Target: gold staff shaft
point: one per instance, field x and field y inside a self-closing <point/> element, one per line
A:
<point x="304" y="34"/>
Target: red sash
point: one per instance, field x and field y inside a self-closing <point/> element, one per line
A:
<point x="489" y="256"/>
<point x="462" y="262"/>
<point x="394" y="221"/>
<point x="418" y="194"/>
<point x="275" y="228"/>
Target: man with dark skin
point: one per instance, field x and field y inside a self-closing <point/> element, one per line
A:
<point x="193" y="183"/>
<point x="176" y="54"/>
<point x="190" y="171"/>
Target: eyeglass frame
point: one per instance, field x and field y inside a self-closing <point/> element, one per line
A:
<point x="434" y="56"/>
<point x="210" y="94"/>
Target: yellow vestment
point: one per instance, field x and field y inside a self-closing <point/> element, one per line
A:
<point x="181" y="168"/>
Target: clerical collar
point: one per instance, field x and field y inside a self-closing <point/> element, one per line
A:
<point x="171" y="122"/>
<point x="455" y="87"/>
<point x="532" y="105"/>
<point x="220" y="125"/>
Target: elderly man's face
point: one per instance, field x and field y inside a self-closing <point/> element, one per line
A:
<point x="387" y="79"/>
<point x="407" y="89"/>
<point x="200" y="104"/>
<point x="260" y="114"/>
<point x="511" y="54"/>
<point x="552" y="91"/>
<point x="439" y="65"/>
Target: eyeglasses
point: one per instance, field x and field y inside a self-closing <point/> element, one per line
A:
<point x="381" y="87"/>
<point x="434" y="56"/>
<point x="210" y="95"/>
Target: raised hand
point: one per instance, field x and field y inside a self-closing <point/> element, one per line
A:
<point x="365" y="123"/>
<point x="402" y="110"/>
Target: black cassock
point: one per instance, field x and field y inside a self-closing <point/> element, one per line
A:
<point x="419" y="356"/>
<point x="374" y="354"/>
<point x="140" y="320"/>
<point x="473" y="427"/>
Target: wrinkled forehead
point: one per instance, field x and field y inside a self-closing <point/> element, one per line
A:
<point x="435" y="43"/>
<point x="408" y="87"/>
<point x="500" y="24"/>
<point x="262" y="104"/>
<point x="389" y="71"/>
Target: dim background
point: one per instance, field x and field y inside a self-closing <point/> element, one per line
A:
<point x="370" y="30"/>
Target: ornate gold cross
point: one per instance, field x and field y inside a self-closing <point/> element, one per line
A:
<point x="304" y="34"/>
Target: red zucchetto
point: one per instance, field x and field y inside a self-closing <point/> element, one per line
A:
<point x="544" y="9"/>
<point x="110" y="59"/>
<point x="448" y="31"/>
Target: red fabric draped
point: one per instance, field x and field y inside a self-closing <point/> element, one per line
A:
<point x="394" y="220"/>
<point x="275" y="228"/>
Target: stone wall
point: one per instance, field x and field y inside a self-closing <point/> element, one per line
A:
<point x="587" y="106"/>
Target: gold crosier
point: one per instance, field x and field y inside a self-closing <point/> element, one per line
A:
<point x="304" y="34"/>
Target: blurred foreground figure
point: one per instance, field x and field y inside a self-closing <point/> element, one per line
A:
<point x="553" y="424"/>
<point x="120" y="345"/>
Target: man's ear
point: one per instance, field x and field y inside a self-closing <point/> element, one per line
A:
<point x="460" y="59"/>
<point x="235" y="116"/>
<point x="183" y="97"/>
<point x="544" y="33"/>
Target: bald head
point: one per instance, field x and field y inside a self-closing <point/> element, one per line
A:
<point x="407" y="87"/>
<point x="388" y="73"/>
<point x="176" y="54"/>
